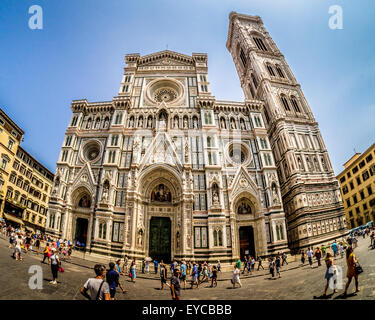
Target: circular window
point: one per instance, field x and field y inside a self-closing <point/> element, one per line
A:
<point x="91" y="151"/>
<point x="238" y="153"/>
<point x="164" y="90"/>
<point x="165" y="94"/>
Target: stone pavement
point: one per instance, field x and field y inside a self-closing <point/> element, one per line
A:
<point x="296" y="283"/>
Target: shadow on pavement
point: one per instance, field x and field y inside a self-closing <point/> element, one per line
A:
<point x="323" y="296"/>
<point x="342" y="296"/>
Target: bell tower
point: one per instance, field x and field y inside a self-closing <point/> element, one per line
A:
<point x="310" y="191"/>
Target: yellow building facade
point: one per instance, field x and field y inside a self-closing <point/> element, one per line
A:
<point x="357" y="185"/>
<point x="26" y="184"/>
<point x="10" y="138"/>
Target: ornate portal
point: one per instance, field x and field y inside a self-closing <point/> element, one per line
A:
<point x="161" y="194"/>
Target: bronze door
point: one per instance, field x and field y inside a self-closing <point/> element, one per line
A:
<point x="160" y="239"/>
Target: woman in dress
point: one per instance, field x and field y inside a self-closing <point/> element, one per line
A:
<point x="132" y="271"/>
<point x="236" y="276"/>
<point x="351" y="261"/>
<point x="330" y="272"/>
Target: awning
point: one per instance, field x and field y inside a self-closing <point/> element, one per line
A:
<point x="14" y="219"/>
<point x="30" y="229"/>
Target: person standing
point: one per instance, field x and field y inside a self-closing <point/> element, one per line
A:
<point x="252" y="262"/>
<point x="183" y="273"/>
<point x="132" y="271"/>
<point x="218" y="266"/>
<point x="236" y="276"/>
<point x="70" y="252"/>
<point x="125" y="265"/>
<point x="260" y="263"/>
<point x="113" y="279"/>
<point x="55" y="264"/>
<point x="27" y="242"/>
<point x="175" y="285"/>
<point x="37" y="244"/>
<point x="351" y="262"/>
<point x="17" y="249"/>
<point x="334" y="248"/>
<point x="143" y="266"/>
<point x="341" y="250"/>
<point x="156" y="263"/>
<point x="214" y="277"/>
<point x="147" y="265"/>
<point x="318" y="256"/>
<point x="277" y="265"/>
<point x="310" y="257"/>
<point x="330" y="273"/>
<point x="117" y="266"/>
<point x="303" y="257"/>
<point x="99" y="289"/>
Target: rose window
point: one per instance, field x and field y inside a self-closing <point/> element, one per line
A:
<point x="165" y="94"/>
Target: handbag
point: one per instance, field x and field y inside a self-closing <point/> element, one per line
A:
<point x="358" y="268"/>
<point x="61" y="269"/>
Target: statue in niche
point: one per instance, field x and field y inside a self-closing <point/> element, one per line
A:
<point x="131" y="122"/>
<point x="97" y="124"/>
<point x="105" y="191"/>
<point x="195" y="123"/>
<point x="186" y="150"/>
<point x="275" y="196"/>
<point x="244" y="208"/>
<point x="140" y="122"/>
<point x="185" y="123"/>
<point x="178" y="239"/>
<point x="175" y="123"/>
<point x="300" y="165"/>
<point x="149" y="122"/>
<point x="88" y="126"/>
<point x="323" y="164"/>
<point x="215" y="194"/>
<point x="223" y="125"/>
<point x="140" y="237"/>
<point x="232" y="124"/>
<point x="161" y="194"/>
<point x="106" y="123"/>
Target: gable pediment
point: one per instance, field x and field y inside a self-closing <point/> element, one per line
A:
<point x="166" y="58"/>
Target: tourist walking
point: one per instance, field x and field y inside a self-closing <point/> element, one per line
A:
<point x="163" y="275"/>
<point x="218" y="266"/>
<point x="236" y="276"/>
<point x="195" y="276"/>
<point x="37" y="245"/>
<point x="175" y="285"/>
<point x="331" y="273"/>
<point x="284" y="259"/>
<point x="310" y="257"/>
<point x="341" y="250"/>
<point x="260" y="263"/>
<point x="113" y="279"/>
<point x="47" y="253"/>
<point x="99" y="289"/>
<point x="183" y="273"/>
<point x="324" y="250"/>
<point x="125" y="265"/>
<point x="252" y="262"/>
<point x="17" y="248"/>
<point x="214" y="277"/>
<point x="303" y="258"/>
<point x="318" y="256"/>
<point x="55" y="264"/>
<point x="351" y="262"/>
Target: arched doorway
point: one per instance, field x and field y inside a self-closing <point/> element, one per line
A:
<point x="160" y="239"/>
<point x="247" y="245"/>
<point x="81" y="231"/>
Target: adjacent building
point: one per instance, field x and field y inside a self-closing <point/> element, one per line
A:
<point x="357" y="182"/>
<point x="27" y="183"/>
<point x="166" y="170"/>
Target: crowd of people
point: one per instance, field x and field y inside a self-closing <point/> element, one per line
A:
<point x="103" y="285"/>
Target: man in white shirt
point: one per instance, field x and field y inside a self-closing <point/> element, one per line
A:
<point x="98" y="287"/>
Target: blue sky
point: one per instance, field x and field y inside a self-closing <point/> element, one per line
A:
<point x="80" y="54"/>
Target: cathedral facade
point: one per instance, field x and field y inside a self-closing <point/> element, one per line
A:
<point x="167" y="171"/>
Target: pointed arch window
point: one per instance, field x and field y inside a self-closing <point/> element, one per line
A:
<point x="260" y="44"/>
<point x="270" y="70"/>
<point x="295" y="104"/>
<point x="279" y="71"/>
<point x="215" y="238"/>
<point x="220" y="236"/>
<point x="284" y="100"/>
<point x="243" y="57"/>
<point x="277" y="233"/>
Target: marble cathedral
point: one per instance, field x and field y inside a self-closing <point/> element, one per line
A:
<point x="167" y="171"/>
